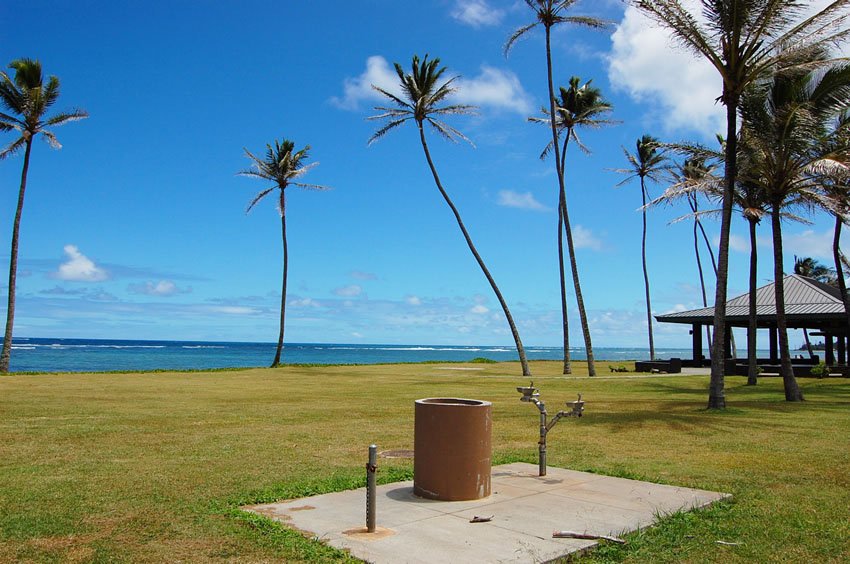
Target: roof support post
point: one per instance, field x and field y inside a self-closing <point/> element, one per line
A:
<point x="830" y="356"/>
<point x="774" y="344"/>
<point x="696" y="332"/>
<point x="841" y="350"/>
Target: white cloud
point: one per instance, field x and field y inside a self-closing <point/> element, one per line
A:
<point x="645" y="62"/>
<point x="379" y="73"/>
<point x="233" y="310"/>
<point x="304" y="302"/>
<point x="161" y="288"/>
<point x="479" y="309"/>
<point x="810" y="244"/>
<point x="737" y="243"/>
<point x="349" y="291"/>
<point x="584" y="238"/>
<point x="79" y="268"/>
<point x="523" y="201"/>
<point x="413" y="300"/>
<point x="679" y="87"/>
<point x="492" y="88"/>
<point x="476" y="13"/>
<point x="360" y="275"/>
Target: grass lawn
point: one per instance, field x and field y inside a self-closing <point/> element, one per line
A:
<point x="151" y="467"/>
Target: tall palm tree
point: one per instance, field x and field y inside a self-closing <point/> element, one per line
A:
<point x="282" y="166"/>
<point x="420" y="101"/>
<point x="646" y="163"/>
<point x="578" y="106"/>
<point x="549" y="13"/>
<point x="27" y="98"/>
<point x="741" y="40"/>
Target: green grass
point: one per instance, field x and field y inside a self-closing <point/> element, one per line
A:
<point x="153" y="467"/>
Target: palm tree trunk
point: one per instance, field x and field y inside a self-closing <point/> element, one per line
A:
<point x="716" y="387"/>
<point x="645" y="273"/>
<point x="5" y="355"/>
<point x="568" y="369"/>
<point x="792" y="391"/>
<point x="808" y="343"/>
<point x="839" y="267"/>
<point x="752" y="358"/>
<point x="693" y="204"/>
<point x="276" y="361"/>
<point x="519" y="348"/>
<point x="714" y="266"/>
<point x="559" y="169"/>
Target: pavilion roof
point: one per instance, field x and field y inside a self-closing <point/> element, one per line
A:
<point x="808" y="303"/>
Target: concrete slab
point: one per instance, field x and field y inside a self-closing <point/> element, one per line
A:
<point x="526" y="510"/>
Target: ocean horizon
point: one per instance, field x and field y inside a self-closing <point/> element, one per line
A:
<point x="39" y="354"/>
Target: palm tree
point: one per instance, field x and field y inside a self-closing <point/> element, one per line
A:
<point x="741" y="40"/>
<point x="549" y="13"/>
<point x="579" y="106"/>
<point x="811" y="268"/>
<point x="785" y="121"/>
<point x="647" y="162"/>
<point x="27" y="98"/>
<point x="420" y="101"/>
<point x="282" y="165"/>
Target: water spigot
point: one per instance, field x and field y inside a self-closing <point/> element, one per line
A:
<point x="529" y="393"/>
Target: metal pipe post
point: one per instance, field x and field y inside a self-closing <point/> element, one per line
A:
<point x="541" y="457"/>
<point x="371" y="467"/>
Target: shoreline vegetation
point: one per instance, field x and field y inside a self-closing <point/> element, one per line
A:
<point x="154" y="466"/>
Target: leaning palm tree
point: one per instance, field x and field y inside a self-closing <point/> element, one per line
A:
<point x="282" y="166"/>
<point x="647" y="163"/>
<point x="578" y="107"/>
<point x="741" y="39"/>
<point x="549" y="13"/>
<point x="27" y="98"/>
<point x="420" y="102"/>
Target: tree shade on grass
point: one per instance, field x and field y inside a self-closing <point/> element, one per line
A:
<point x="422" y="95"/>
<point x="282" y="167"/>
<point x="27" y="98"/>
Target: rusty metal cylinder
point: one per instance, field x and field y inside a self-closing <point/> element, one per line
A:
<point x="452" y="449"/>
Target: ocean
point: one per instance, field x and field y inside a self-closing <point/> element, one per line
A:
<point x="98" y="355"/>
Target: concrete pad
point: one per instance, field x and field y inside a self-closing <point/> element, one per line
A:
<point x="526" y="510"/>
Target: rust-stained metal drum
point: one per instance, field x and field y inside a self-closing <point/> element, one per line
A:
<point x="452" y="449"/>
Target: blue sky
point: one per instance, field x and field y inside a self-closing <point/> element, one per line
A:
<point x="137" y="228"/>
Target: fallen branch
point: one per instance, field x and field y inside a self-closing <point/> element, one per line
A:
<point x="725" y="543"/>
<point x="575" y="535"/>
<point x="477" y="519"/>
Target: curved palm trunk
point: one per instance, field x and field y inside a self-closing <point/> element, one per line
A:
<point x="808" y="343"/>
<point x="839" y="268"/>
<point x="716" y="386"/>
<point x="5" y="355"/>
<point x="792" y="391"/>
<point x="568" y="369"/>
<point x="693" y="205"/>
<point x="752" y="359"/>
<point x="276" y="361"/>
<point x="519" y="348"/>
<point x="559" y="169"/>
<point x="645" y="273"/>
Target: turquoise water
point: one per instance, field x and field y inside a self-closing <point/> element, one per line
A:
<point x="82" y="355"/>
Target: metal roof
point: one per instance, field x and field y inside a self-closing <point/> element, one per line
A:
<point x="807" y="302"/>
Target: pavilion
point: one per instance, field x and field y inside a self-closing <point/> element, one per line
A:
<point x="809" y="304"/>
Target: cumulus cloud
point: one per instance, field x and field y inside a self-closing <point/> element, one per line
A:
<point x="737" y="243"/>
<point x="584" y="238"/>
<point x="810" y="243"/>
<point x="161" y="288"/>
<point x="645" y="63"/>
<point x="233" y="310"/>
<point x="476" y="13"/>
<point x="79" y="268"/>
<point x="521" y="200"/>
<point x="480" y="309"/>
<point x="349" y="291"/>
<point x="680" y="88"/>
<point x="304" y="302"/>
<point x="494" y="88"/>
<point x="413" y="300"/>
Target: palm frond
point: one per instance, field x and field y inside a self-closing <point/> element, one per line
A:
<point x="13" y="147"/>
<point x="262" y="194"/>
<point x="66" y="117"/>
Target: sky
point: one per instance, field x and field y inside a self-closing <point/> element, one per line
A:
<point x="137" y="227"/>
